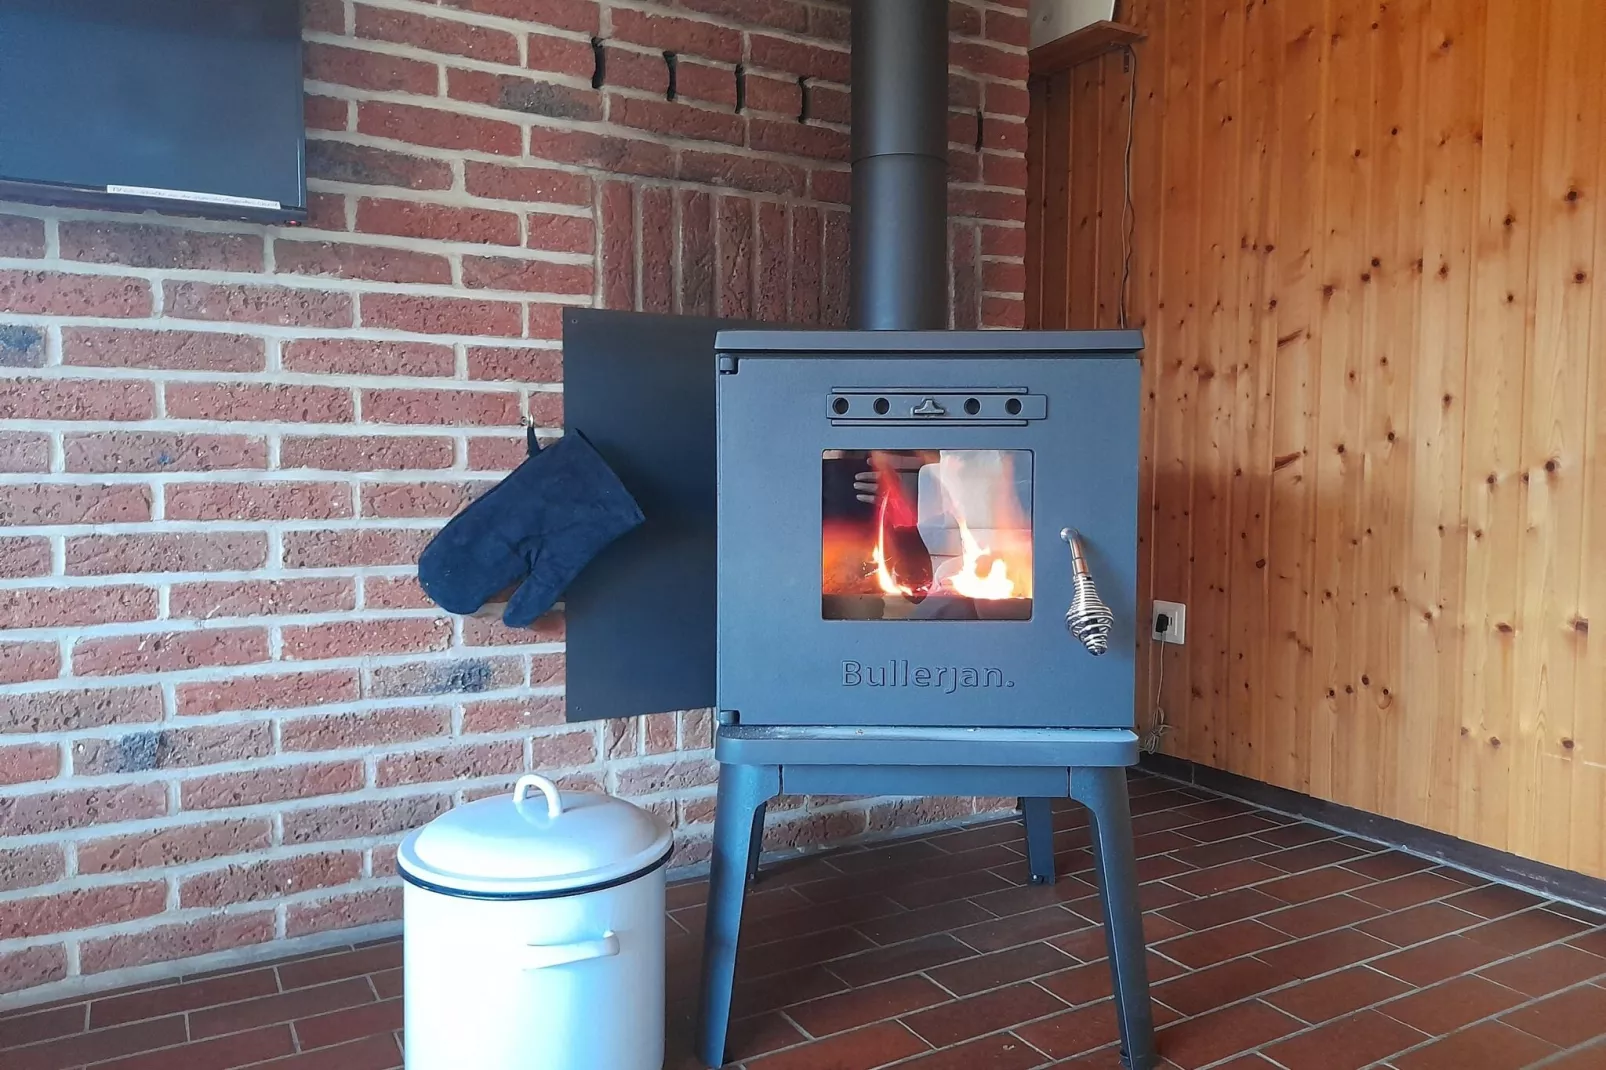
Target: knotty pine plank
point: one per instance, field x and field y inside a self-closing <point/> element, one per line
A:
<point x="1081" y="303"/>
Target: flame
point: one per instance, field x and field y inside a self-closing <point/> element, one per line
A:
<point x="969" y="581"/>
<point x="883" y="573"/>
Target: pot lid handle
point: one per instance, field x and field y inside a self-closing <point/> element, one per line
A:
<point x="554" y="804"/>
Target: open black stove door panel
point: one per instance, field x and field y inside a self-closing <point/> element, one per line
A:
<point x="890" y="515"/>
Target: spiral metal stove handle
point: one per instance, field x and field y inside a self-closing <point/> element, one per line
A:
<point x="1089" y="618"/>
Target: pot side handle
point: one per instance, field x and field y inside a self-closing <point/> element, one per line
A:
<point x="543" y="956"/>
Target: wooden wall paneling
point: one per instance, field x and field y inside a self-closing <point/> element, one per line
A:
<point x="1296" y="304"/>
<point x="1497" y="375"/>
<point x="1253" y="377"/>
<point x="1081" y="303"/>
<point x="1037" y="237"/>
<point x="1429" y="697"/>
<point x="1057" y="142"/>
<point x="1213" y="368"/>
<point x="1115" y="85"/>
<point x="1174" y="339"/>
<point x="1555" y="424"/>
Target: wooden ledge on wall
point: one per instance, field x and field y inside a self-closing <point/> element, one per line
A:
<point x="1090" y="42"/>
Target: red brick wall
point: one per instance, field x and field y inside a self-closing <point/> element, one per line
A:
<point x="223" y="445"/>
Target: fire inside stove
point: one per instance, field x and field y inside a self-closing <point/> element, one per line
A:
<point x="927" y="535"/>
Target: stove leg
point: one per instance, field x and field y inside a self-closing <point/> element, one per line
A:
<point x="1039" y="820"/>
<point x="756" y="841"/>
<point x="743" y="792"/>
<point x="1104" y="793"/>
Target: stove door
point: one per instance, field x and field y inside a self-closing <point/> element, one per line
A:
<point x="890" y="547"/>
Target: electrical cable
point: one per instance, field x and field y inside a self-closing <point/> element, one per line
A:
<point x="1158" y="726"/>
<point x="1129" y="215"/>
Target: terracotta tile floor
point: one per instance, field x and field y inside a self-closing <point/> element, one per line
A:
<point x="1274" y="943"/>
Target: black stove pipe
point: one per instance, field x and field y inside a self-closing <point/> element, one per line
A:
<point x="900" y="164"/>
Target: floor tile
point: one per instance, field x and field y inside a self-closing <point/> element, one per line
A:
<point x="1325" y="998"/>
<point x="1407" y="891"/>
<point x="1565" y="1019"/>
<point x="1417" y="924"/>
<point x="285" y="1007"/>
<point x="1348" y="1043"/>
<point x="219" y="1053"/>
<point x="1447" y="1007"/>
<point x="1215" y="910"/>
<point x="337" y="1027"/>
<point x="1197" y="950"/>
<point x="1315" y="884"/>
<point x="188" y="996"/>
<point x="1437" y="960"/>
<point x="973" y="1016"/>
<point x="1212" y="1037"/>
<point x="912" y="957"/>
<point x="1019" y="929"/>
<point x="862" y="1049"/>
<point x="1329" y="951"/>
<point x="369" y="1053"/>
<point x="1001" y="968"/>
<point x="1321" y="915"/>
<point x="1520" y="932"/>
<point x="1539" y="973"/>
<point x="862" y="1006"/>
<point x="1205" y="990"/>
<point x="1002" y="1052"/>
<point x="1487" y="1046"/>
<point x="1494" y="901"/>
<point x="1388" y="865"/>
<point x="1073" y="1032"/>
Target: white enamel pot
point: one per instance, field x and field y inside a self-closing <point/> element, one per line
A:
<point x="534" y="934"/>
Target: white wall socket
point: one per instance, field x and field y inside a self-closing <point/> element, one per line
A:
<point x="1176" y="624"/>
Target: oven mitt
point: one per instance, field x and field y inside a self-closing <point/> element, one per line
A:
<point x="542" y="524"/>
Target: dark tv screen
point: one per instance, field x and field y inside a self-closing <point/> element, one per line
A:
<point x="185" y="106"/>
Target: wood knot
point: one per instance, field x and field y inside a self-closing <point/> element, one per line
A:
<point x="1552" y="465"/>
<point x="1377" y="262"/>
<point x="1581" y="625"/>
<point x="1491" y="479"/>
<point x="1572" y="196"/>
<point x="1366" y="681"/>
<point x="1494" y="741"/>
<point x="1504" y="628"/>
<point x="1581" y="276"/>
<point x="1567" y="744"/>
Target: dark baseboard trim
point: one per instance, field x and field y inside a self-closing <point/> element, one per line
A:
<point x="1537" y="877"/>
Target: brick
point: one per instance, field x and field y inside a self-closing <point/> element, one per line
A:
<point x="798" y="59"/>
<point x="269" y="784"/>
<point x="964" y="20"/>
<point x="350" y="356"/>
<point x="29" y="867"/>
<point x="418" y="499"/>
<point x="162" y="451"/>
<point x="657" y="248"/>
<point x="781" y="96"/>
<point x="364" y="69"/>
<point x="1008" y="65"/>
<point x="997" y="170"/>
<point x="80" y="908"/>
<point x="439" y="129"/>
<point x="459" y="761"/>
<point x="674" y="119"/>
<point x="353" y="547"/>
<point x="441" y="407"/>
<point x="169" y="651"/>
<point x="219" y="932"/>
<point x="114" y="347"/>
<point x="378" y="263"/>
<point x="496" y="453"/>
<point x="832" y="186"/>
<point x="612" y="152"/>
<point x="69" y="711"/>
<point x="834" y="300"/>
<point x="527" y="96"/>
<point x="442" y="315"/>
<point x="260" y="598"/>
<point x="58" y="293"/>
<point x="560" y="55"/>
<point x="269" y="402"/>
<point x="22" y="236"/>
<point x="772" y="270"/>
<point x="805" y="266"/>
<point x="617" y="255"/>
<point x="799" y="139"/>
<point x="965" y="275"/>
<point x="325" y="113"/>
<point x="508" y="183"/>
<point x="76" y="399"/>
<point x="1003" y="241"/>
<point x="437" y="34"/>
<point x="32" y="966"/>
<point x="629" y="69"/>
<point x="171" y="748"/>
<point x="658" y="733"/>
<point x="1003" y="277"/>
<point x="357" y="638"/>
<point x="564" y="750"/>
<point x="964" y="92"/>
<point x="24" y="557"/>
<point x="22" y="662"/>
<point x="1003" y="312"/>
<point x="545" y="321"/>
<point x="365" y="729"/>
<point x="696" y="254"/>
<point x="672" y="34"/>
<point x="62" y="607"/>
<point x="394" y="592"/>
<point x="580" y="16"/>
<point x="326" y="211"/>
<point x="22" y="347"/>
<point x="413" y="219"/>
<point x="258" y="501"/>
<point x="735" y="251"/>
<point x="365" y="453"/>
<point x="560" y="233"/>
<point x="189" y="551"/>
<point x="24" y="451"/>
<point x="24" y="764"/>
<point x="145" y="245"/>
<point x="369" y="907"/>
<point x="513" y="714"/>
<point x="701" y="82"/>
<point x="53" y="811"/>
<point x="366" y="165"/>
<point x="739" y="171"/>
<point x="546" y="408"/>
<point x="1008" y="28"/>
<point x="654" y="778"/>
<point x="489" y="630"/>
<point x="523" y="365"/>
<point x="363" y="820"/>
<point x="281" y="691"/>
<point x="74" y="503"/>
<point x="278" y="306"/>
<point x="458" y="676"/>
<point x="179" y="845"/>
<point x="532" y="276"/>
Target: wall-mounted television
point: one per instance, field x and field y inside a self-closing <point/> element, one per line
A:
<point x="191" y="107"/>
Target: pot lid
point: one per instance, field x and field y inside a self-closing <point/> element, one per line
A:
<point x="531" y="845"/>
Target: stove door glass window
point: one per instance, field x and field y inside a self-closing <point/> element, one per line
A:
<point x="926" y="535"/>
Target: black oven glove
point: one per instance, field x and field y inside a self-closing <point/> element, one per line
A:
<point x="542" y="524"/>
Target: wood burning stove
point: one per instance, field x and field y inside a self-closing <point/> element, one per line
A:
<point x="891" y="510"/>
